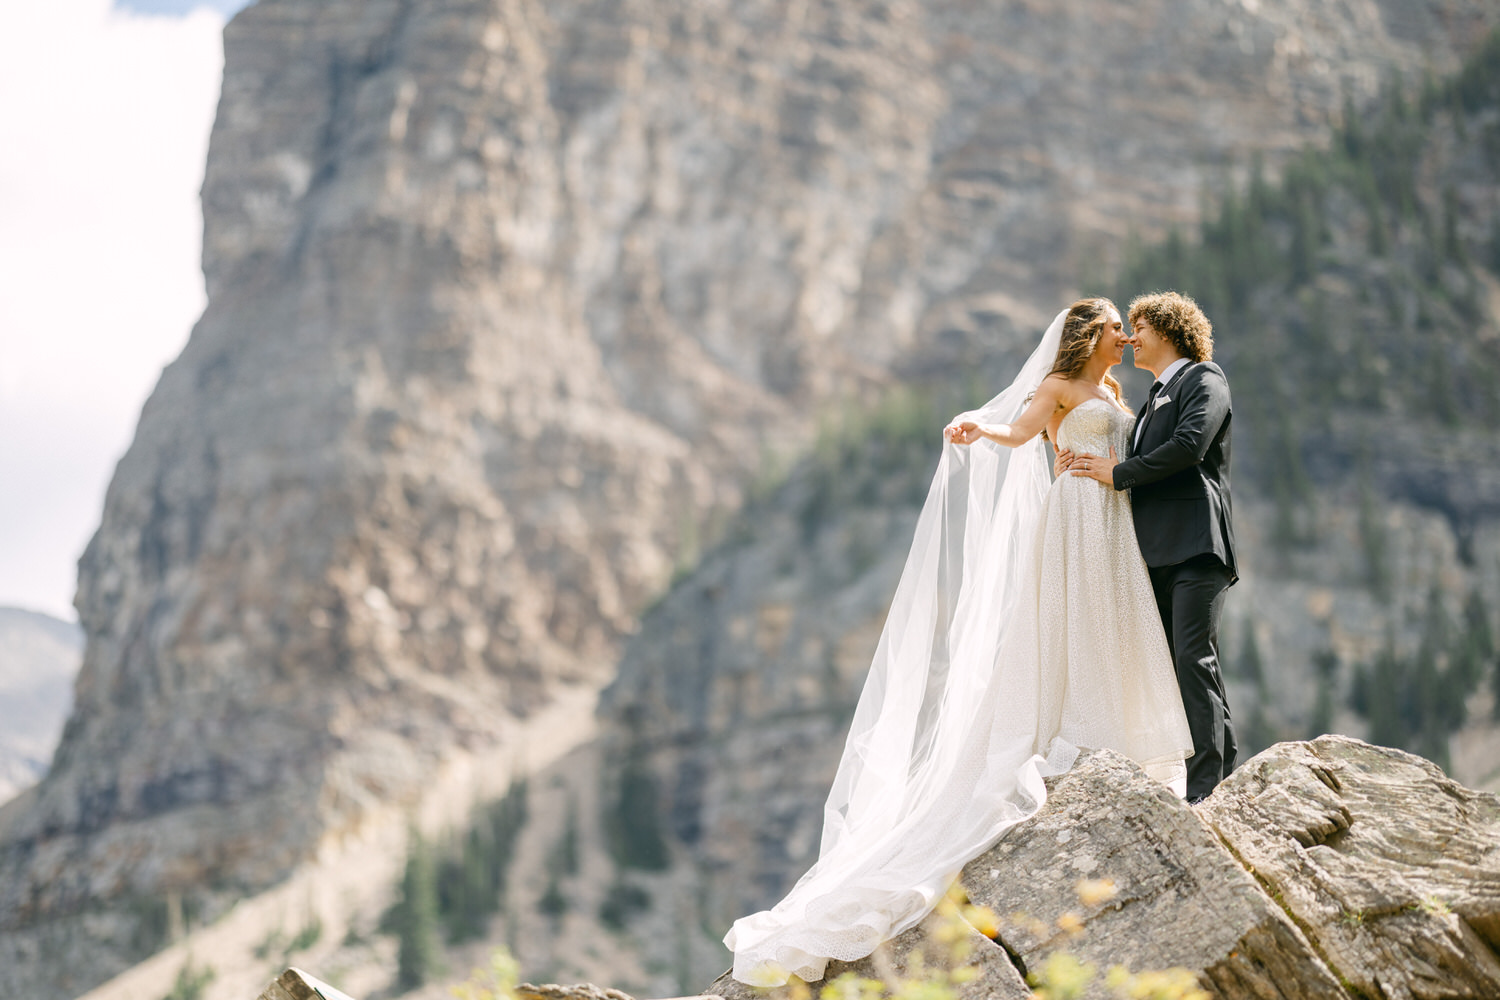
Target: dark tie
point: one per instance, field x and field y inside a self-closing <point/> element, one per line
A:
<point x="1156" y="387"/>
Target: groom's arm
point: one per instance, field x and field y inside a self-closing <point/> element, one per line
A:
<point x="1201" y="411"/>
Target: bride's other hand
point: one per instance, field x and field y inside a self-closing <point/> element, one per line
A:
<point x="963" y="432"/>
<point x="1063" y="462"/>
<point x="1096" y="467"/>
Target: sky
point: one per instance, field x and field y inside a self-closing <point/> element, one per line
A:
<point x="105" y="114"/>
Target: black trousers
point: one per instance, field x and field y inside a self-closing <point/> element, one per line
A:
<point x="1190" y="597"/>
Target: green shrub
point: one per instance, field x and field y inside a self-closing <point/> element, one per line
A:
<point x="621" y="902"/>
<point x="416" y="918"/>
<point x="633" y="822"/>
<point x="190" y="982"/>
<point x="309" y="935"/>
<point x="553" y="904"/>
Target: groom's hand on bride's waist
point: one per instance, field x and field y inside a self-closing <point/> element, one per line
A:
<point x="1063" y="462"/>
<point x="1094" y="467"/>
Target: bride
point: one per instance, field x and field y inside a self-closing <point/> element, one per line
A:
<point x="1023" y="629"/>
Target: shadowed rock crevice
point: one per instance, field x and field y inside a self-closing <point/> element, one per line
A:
<point x="1274" y="895"/>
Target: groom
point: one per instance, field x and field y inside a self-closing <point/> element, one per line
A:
<point x="1178" y="475"/>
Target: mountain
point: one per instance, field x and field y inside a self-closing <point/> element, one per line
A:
<point x="511" y="309"/>
<point x="39" y="656"/>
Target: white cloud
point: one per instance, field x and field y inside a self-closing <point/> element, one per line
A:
<point x="105" y="117"/>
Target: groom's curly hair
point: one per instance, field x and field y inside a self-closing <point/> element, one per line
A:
<point x="1177" y="318"/>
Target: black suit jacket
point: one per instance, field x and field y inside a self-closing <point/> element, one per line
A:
<point x="1178" y="472"/>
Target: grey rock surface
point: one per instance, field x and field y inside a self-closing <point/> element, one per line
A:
<point x="1390" y="868"/>
<point x="1180" y="899"/>
<point x="294" y="984"/>
<point x="577" y="991"/>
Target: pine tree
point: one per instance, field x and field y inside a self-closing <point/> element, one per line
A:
<point x="506" y="818"/>
<point x="1248" y="665"/>
<point x="417" y="920"/>
<point x="1326" y="663"/>
<point x="553" y="904"/>
<point x="567" y="846"/>
<point x="1373" y="536"/>
<point x="635" y="819"/>
<point x="1384" y="693"/>
<point x="466" y="897"/>
<point x="1477" y="647"/>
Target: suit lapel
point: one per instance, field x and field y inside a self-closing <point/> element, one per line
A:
<point x="1149" y="410"/>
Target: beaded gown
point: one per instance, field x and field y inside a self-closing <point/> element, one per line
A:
<point x="1104" y="668"/>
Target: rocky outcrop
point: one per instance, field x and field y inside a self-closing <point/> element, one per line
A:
<point x="581" y="991"/>
<point x="294" y="984"/>
<point x="1175" y="897"/>
<point x="1390" y="868"/>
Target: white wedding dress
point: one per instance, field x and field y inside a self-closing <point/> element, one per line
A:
<point x="1023" y="629"/>
<point x="1105" y="674"/>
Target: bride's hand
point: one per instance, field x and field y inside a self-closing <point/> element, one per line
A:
<point x="962" y="432"/>
<point x="1063" y="462"/>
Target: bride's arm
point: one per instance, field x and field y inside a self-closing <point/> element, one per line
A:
<point x="1025" y="427"/>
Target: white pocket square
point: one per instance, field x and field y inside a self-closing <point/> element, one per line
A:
<point x="1161" y="401"/>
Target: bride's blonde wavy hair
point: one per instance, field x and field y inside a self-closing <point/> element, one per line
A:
<point x="1080" y="337"/>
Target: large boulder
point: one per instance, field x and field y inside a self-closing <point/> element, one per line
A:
<point x="1178" y="898"/>
<point x="1390" y="869"/>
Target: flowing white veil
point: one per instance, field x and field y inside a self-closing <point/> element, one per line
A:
<point x="942" y="756"/>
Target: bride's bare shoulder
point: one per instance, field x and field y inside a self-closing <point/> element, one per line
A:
<point x="1072" y="391"/>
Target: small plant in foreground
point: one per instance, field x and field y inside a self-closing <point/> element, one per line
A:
<point x="1063" y="976"/>
<point x="497" y="982"/>
<point x="191" y="982"/>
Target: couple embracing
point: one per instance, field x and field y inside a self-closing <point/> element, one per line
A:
<point x="1041" y="610"/>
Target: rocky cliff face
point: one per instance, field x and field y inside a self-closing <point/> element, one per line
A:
<point x="507" y="299"/>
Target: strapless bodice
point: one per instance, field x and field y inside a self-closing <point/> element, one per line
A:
<point x="1094" y="426"/>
